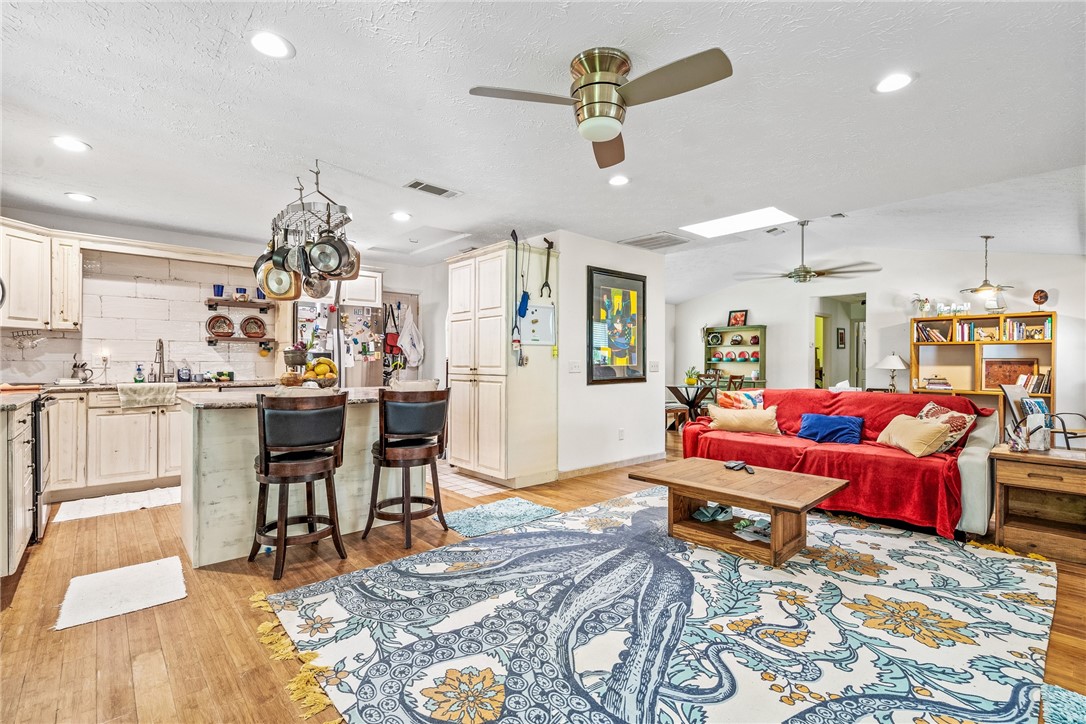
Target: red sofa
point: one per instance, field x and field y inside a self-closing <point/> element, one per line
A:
<point x="884" y="482"/>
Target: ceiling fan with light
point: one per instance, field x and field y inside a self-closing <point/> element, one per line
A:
<point x="803" y="273"/>
<point x="601" y="92"/>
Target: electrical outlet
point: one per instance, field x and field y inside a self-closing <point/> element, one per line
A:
<point x="622" y="433"/>
<point x="654" y="366"/>
<point x="105" y="358"/>
<point x="575" y="368"/>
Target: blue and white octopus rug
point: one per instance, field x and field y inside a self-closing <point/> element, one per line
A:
<point x="597" y="616"/>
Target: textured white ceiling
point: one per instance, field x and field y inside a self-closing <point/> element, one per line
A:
<point x="192" y="130"/>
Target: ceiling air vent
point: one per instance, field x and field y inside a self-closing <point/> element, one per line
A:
<point x="838" y="215"/>
<point x="656" y="242"/>
<point x="776" y="231"/>
<point x="432" y="189"/>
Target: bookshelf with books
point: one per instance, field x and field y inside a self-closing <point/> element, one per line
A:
<point x="972" y="355"/>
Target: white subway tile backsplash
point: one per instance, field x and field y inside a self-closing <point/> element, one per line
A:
<point x="136" y="308"/>
<point x="191" y="271"/>
<point x="130" y="301"/>
<point x="168" y="289"/>
<point x="133" y="266"/>
<point x="171" y="331"/>
<point x="113" y="286"/>
<point x="109" y="327"/>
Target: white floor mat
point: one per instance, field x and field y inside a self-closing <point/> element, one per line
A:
<point x="108" y="504"/>
<point x="121" y="590"/>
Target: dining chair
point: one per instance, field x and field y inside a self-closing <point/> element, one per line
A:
<point x="735" y="382"/>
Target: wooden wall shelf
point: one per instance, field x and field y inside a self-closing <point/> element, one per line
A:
<point x="261" y="305"/>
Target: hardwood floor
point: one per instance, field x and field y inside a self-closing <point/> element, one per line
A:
<point x="199" y="659"/>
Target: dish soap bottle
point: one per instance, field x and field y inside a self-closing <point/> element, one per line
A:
<point x="139" y="376"/>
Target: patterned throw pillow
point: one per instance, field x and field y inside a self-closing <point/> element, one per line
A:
<point x="736" y="400"/>
<point x="958" y="422"/>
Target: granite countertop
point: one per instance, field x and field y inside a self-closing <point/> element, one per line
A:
<point x="214" y="385"/>
<point x="14" y="400"/>
<point x="241" y="399"/>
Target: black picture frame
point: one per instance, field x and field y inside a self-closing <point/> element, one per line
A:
<point x="737" y="318"/>
<point x="840" y="338"/>
<point x="615" y="332"/>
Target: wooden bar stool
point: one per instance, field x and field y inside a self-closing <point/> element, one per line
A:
<point x="412" y="434"/>
<point x="301" y="440"/>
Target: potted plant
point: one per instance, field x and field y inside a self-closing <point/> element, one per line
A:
<point x="923" y="304"/>
<point x="692" y="376"/>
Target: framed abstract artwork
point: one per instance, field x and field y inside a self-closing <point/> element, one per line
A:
<point x="737" y="318"/>
<point x="840" y="338"/>
<point x="616" y="327"/>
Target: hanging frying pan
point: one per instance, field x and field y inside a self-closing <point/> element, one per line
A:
<point x="350" y="267"/>
<point x="279" y="285"/>
<point x="260" y="261"/>
<point x="316" y="288"/>
<point x="328" y="253"/>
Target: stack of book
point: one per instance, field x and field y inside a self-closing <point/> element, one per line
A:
<point x="937" y="383"/>
<point x="1036" y="384"/>
<point x="924" y="333"/>
<point x="1017" y="330"/>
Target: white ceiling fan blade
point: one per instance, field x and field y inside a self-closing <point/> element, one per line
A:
<point x="512" y="94"/>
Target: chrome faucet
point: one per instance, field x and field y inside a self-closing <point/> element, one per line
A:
<point x="159" y="365"/>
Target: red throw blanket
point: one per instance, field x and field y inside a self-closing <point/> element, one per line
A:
<point x="884" y="482"/>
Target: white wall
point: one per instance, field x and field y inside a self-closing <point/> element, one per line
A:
<point x="431" y="283"/>
<point x="670" y="374"/>
<point x="589" y="417"/>
<point x="788" y="309"/>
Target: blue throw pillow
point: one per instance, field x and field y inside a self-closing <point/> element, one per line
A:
<point x="831" y="428"/>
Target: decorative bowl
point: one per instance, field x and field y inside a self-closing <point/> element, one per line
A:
<point x="730" y="356"/>
<point x="737" y="339"/>
<point x="718" y="355"/>
<point x="744" y="355"/>
<point x="295" y="357"/>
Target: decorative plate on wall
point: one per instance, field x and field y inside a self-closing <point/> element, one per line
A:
<point x="253" y="327"/>
<point x="220" y="325"/>
<point x="715" y="338"/>
<point x="737" y="339"/>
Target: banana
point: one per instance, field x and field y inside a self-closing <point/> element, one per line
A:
<point x="330" y="363"/>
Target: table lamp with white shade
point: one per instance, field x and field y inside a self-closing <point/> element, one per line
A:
<point x="893" y="363"/>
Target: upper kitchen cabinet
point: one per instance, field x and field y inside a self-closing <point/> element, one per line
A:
<point x="365" y="291"/>
<point x="66" y="302"/>
<point x="44" y="281"/>
<point x="478" y="317"/>
<point x="25" y="268"/>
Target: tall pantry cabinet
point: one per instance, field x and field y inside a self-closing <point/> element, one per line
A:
<point x="503" y="418"/>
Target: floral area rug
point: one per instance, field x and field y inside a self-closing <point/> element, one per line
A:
<point x="499" y="515"/>
<point x="597" y="616"/>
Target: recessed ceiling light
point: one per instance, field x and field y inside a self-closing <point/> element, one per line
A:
<point x="736" y="223"/>
<point x="400" y="216"/>
<point x="70" y="144"/>
<point x="272" y="45"/>
<point x="82" y="198"/>
<point x="619" y="180"/>
<point x="893" y="82"/>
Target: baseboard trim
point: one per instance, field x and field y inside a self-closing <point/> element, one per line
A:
<point x="562" y="475"/>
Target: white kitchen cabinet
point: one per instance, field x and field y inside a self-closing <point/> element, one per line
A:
<point x="68" y="441"/>
<point x="122" y="445"/>
<point x="479" y="315"/>
<point x="169" y="441"/>
<point x="66" y="301"/>
<point x="18" y="488"/>
<point x="365" y="291"/>
<point x="25" y="268"/>
<point x="503" y="418"/>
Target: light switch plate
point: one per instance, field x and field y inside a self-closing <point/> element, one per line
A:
<point x="654" y="366"/>
<point x="575" y="368"/>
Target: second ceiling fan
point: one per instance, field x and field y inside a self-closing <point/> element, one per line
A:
<point x="601" y="93"/>
<point x="803" y="273"/>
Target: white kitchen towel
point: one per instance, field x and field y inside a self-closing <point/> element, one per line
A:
<point x="119" y="503"/>
<point x="147" y="394"/>
<point x="121" y="590"/>
<point x="411" y="340"/>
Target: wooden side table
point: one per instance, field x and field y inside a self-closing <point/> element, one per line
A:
<point x="1040" y="502"/>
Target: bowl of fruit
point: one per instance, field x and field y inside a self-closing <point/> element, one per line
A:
<point x="322" y="370"/>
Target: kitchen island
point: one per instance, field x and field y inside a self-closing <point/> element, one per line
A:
<point x="218" y="485"/>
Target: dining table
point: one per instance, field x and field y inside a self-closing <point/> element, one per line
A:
<point x="692" y="396"/>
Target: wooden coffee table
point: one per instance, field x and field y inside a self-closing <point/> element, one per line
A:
<point x="786" y="496"/>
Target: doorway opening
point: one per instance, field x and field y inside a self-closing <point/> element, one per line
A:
<point x="840" y="340"/>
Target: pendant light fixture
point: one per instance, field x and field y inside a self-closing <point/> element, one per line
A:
<point x="991" y="293"/>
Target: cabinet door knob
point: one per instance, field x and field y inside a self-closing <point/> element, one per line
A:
<point x="154" y="412"/>
<point x="28" y="442"/>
